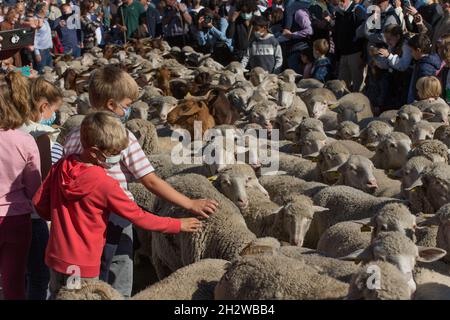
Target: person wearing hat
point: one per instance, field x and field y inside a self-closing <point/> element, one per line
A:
<point x="42" y="39"/>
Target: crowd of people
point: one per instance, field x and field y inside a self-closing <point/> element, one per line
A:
<point x="368" y="44"/>
<point x="395" y="52"/>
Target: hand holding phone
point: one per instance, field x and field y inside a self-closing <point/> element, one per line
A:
<point x="17" y="38"/>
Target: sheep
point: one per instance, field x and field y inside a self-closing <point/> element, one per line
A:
<point x="165" y="168"/>
<point x="374" y="133"/>
<point x="422" y="130"/>
<point x="431" y="285"/>
<point x="257" y="75"/>
<point x="309" y="84"/>
<point x="392" y="283"/>
<point x="392" y="151"/>
<point x="359" y="172"/>
<point x="399" y="250"/>
<point x="139" y="110"/>
<point x="164" y="105"/>
<point x="437" y="113"/>
<point x="282" y="187"/>
<point x="409" y="174"/>
<point x="347" y="130"/>
<point x="335" y="268"/>
<point x="342" y="239"/>
<point x="193" y="282"/>
<point x="320" y="96"/>
<point x="319" y="110"/>
<point x="295" y="166"/>
<point x="407" y="117"/>
<point x="90" y="290"/>
<point x="442" y="220"/>
<point x="288" y="75"/>
<point x="287" y="97"/>
<point x="268" y="277"/>
<point x="345" y="203"/>
<point x="287" y="121"/>
<point x="442" y="133"/>
<point x="145" y="133"/>
<point x="338" y="87"/>
<point x="264" y="114"/>
<point x="224" y="234"/>
<point x="433" y="150"/>
<point x="354" y="107"/>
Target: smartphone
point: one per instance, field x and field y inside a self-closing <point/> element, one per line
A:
<point x="406" y="3"/>
<point x="17" y="38"/>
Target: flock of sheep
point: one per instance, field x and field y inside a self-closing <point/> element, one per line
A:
<point x="355" y="196"/>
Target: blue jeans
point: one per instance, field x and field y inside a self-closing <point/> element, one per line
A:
<point x="46" y="60"/>
<point x="38" y="274"/>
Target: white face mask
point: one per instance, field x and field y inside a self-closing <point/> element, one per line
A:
<point x="111" y="161"/>
<point x="258" y="35"/>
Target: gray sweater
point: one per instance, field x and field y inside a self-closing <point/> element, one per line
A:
<point x="265" y="53"/>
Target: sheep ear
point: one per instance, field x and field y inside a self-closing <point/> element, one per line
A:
<point x="427" y="115"/>
<point x="319" y="209"/>
<point x="427" y="254"/>
<point x="331" y="133"/>
<point x="360" y="255"/>
<point x="415" y="184"/>
<point x="427" y="220"/>
<point x="291" y="130"/>
<point x="332" y="104"/>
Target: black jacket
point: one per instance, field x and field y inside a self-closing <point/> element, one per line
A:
<point x="344" y="31"/>
<point x="240" y="34"/>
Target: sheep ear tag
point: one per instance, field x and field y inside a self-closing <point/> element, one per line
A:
<point x="212" y="178"/>
<point x="366" y="228"/>
<point x="188" y="95"/>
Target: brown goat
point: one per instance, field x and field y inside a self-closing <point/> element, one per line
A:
<point x="189" y="111"/>
<point x="222" y="110"/>
<point x="74" y="81"/>
<point x="163" y="80"/>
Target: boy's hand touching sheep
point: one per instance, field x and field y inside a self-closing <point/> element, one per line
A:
<point x="203" y="207"/>
<point x="190" y="224"/>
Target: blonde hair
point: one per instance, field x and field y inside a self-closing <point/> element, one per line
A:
<point x="20" y="93"/>
<point x="42" y="89"/>
<point x="321" y="46"/>
<point x="111" y="82"/>
<point x="103" y="130"/>
<point x="9" y="116"/>
<point x="428" y="87"/>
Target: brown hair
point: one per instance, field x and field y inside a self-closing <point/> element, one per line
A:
<point x="20" y="93"/>
<point x="42" y="89"/>
<point x="396" y="30"/>
<point x="9" y="117"/>
<point x="103" y="130"/>
<point x="111" y="82"/>
<point x="428" y="87"/>
<point x="11" y="14"/>
<point x="321" y="46"/>
<point x="443" y="48"/>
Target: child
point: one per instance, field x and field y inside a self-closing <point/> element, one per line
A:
<point x="78" y="196"/>
<point x="20" y="177"/>
<point x="264" y="51"/>
<point x="429" y="89"/>
<point x="307" y="59"/>
<point x="322" y="65"/>
<point x="427" y="64"/>
<point x="114" y="90"/>
<point x="444" y="74"/>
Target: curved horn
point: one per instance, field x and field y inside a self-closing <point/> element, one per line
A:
<point x="197" y="98"/>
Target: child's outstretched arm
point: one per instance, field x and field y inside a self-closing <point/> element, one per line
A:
<point x="201" y="207"/>
<point x="119" y="203"/>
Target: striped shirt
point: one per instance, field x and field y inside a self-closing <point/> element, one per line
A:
<point x="133" y="164"/>
<point x="57" y="152"/>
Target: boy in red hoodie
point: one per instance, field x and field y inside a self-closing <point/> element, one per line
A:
<point x="77" y="197"/>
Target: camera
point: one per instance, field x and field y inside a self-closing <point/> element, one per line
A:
<point x="207" y="19"/>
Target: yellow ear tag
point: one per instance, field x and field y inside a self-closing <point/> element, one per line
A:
<point x="187" y="94"/>
<point x="366" y="228"/>
<point x="212" y="178"/>
<point x="413" y="189"/>
<point x="335" y="174"/>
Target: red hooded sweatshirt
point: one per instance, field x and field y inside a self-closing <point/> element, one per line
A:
<point x="78" y="198"/>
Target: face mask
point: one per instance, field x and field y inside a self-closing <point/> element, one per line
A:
<point x="125" y="117"/>
<point x="258" y="35"/>
<point x="111" y="161"/>
<point x="246" y="16"/>
<point x="49" y="122"/>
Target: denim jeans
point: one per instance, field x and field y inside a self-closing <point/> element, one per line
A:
<point x="46" y="60"/>
<point x="117" y="258"/>
<point x="38" y="274"/>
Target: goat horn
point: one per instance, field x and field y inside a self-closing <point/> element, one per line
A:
<point x="197" y="98"/>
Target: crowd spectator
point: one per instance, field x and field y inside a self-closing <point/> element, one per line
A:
<point x="43" y="39"/>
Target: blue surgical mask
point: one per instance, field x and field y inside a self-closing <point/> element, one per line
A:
<point x="50" y="121"/>
<point x="246" y="16"/>
<point x="125" y="117"/>
<point x="111" y="161"/>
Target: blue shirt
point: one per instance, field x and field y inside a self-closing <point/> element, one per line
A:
<point x="211" y="36"/>
<point x="43" y="38"/>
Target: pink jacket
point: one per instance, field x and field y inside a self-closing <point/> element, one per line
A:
<point x="20" y="173"/>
